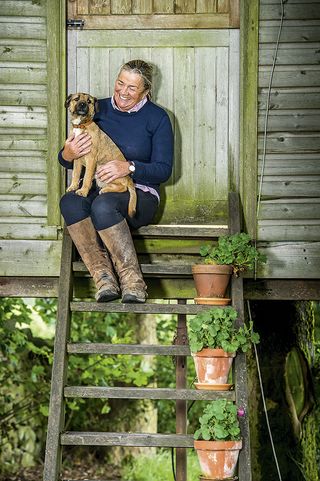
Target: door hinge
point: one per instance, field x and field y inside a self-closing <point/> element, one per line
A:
<point x="73" y="23"/>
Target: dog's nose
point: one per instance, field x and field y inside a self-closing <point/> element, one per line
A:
<point x="82" y="108"/>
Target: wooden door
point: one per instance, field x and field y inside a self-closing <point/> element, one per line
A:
<point x="196" y="81"/>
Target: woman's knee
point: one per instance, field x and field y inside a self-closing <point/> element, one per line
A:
<point x="72" y="208"/>
<point x="107" y="210"/>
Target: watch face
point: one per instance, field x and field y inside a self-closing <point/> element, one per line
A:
<point x="132" y="168"/>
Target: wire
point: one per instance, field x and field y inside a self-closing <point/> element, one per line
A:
<point x="264" y="402"/>
<point x="172" y="464"/>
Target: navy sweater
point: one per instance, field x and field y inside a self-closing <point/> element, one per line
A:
<point x="144" y="137"/>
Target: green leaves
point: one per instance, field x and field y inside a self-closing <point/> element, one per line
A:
<point x="214" y="328"/>
<point x="236" y="250"/>
<point x="219" y="422"/>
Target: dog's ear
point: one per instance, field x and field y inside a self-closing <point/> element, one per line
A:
<point x="96" y="104"/>
<point x="67" y="102"/>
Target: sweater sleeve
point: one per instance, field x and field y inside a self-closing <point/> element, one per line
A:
<point x="65" y="163"/>
<point x="160" y="167"/>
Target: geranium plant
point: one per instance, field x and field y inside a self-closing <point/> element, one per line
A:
<point x="214" y="328"/>
<point x="236" y="250"/>
<point x="219" y="422"/>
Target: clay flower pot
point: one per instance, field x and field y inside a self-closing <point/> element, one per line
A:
<point x="218" y="459"/>
<point x="211" y="280"/>
<point x="212" y="368"/>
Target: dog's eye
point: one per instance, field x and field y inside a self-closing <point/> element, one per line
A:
<point x="76" y="99"/>
<point x="89" y="101"/>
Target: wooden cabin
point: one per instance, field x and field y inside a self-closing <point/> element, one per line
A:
<point x="212" y="71"/>
<point x="240" y="82"/>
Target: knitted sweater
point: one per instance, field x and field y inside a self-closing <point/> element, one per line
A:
<point x="144" y="137"/>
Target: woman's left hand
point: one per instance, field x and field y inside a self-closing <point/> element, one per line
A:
<point x="112" y="170"/>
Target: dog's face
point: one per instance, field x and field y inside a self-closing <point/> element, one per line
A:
<point x="82" y="106"/>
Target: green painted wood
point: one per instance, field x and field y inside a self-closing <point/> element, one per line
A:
<point x="291" y="142"/>
<point x="296" y="164"/>
<point x="125" y="439"/>
<point x="292" y="12"/>
<point x="284" y="209"/>
<point x="20" y="205"/>
<point x="182" y="231"/>
<point x="24" y="183"/>
<point x="298" y="230"/>
<point x="56" y="71"/>
<point x="291" y="98"/>
<point x="130" y="349"/>
<point x="291" y="76"/>
<point x="28" y="230"/>
<point x="18" y="163"/>
<point x="291" y="186"/>
<point x="97" y="392"/>
<point x="249" y="15"/>
<point x="293" y="31"/>
<point x="23" y="8"/>
<point x="30" y="257"/>
<point x="151" y="269"/>
<point x="290" y="54"/>
<point x="293" y="120"/>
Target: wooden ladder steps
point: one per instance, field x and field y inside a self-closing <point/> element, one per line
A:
<point x="148" y="308"/>
<point x="101" y="392"/>
<point x="126" y="439"/>
<point x="154" y="270"/>
<point x="131" y="349"/>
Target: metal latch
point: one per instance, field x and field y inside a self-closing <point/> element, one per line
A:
<point x="73" y="23"/>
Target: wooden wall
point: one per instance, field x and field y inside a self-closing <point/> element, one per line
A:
<point x="290" y="204"/>
<point x="31" y="82"/>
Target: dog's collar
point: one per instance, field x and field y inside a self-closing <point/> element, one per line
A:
<point x="82" y="126"/>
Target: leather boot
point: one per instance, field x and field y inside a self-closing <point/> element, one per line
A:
<point x="96" y="259"/>
<point x="118" y="241"/>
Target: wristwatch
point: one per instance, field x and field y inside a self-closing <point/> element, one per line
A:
<point x="132" y="167"/>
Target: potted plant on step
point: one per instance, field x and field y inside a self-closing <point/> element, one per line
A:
<point x="214" y="341"/>
<point x="233" y="254"/>
<point x="218" y="440"/>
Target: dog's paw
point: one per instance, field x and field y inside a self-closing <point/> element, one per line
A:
<point x="82" y="192"/>
<point x="72" y="188"/>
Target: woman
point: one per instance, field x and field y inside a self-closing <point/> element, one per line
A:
<point x="143" y="132"/>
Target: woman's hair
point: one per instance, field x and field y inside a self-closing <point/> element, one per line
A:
<point x="143" y="69"/>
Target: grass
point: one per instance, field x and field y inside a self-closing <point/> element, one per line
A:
<point x="159" y="467"/>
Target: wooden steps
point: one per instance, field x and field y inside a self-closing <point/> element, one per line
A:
<point x="148" y="308"/>
<point x="126" y="439"/>
<point x="174" y="249"/>
<point x="130" y="349"/>
<point x="98" y="392"/>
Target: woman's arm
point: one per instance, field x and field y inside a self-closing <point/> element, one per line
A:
<point x="74" y="147"/>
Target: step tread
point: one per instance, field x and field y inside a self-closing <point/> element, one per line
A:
<point x="191" y="230"/>
<point x="126" y="439"/>
<point x="132" y="349"/>
<point x="178" y="270"/>
<point x="102" y="392"/>
<point x="148" y="308"/>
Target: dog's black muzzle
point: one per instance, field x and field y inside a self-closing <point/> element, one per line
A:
<point x="82" y="108"/>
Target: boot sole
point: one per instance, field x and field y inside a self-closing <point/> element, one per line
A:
<point x="108" y="297"/>
<point x="132" y="299"/>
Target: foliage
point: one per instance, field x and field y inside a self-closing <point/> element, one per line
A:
<point x="159" y="467"/>
<point x="215" y="328"/>
<point x="236" y="250"/>
<point x="24" y="387"/>
<point x="219" y="422"/>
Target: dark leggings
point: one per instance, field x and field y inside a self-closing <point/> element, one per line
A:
<point x="108" y="209"/>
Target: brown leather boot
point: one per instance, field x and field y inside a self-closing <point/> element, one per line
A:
<point x="118" y="241"/>
<point x="96" y="259"/>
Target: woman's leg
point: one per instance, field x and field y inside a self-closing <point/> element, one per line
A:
<point x="76" y="211"/>
<point x="110" y="218"/>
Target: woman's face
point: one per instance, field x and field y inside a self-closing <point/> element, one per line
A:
<point x="128" y="90"/>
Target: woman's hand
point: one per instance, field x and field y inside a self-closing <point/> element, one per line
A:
<point x="76" y="146"/>
<point x="112" y="170"/>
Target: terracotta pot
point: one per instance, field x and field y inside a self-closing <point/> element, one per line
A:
<point x="211" y="280"/>
<point x="213" y="365"/>
<point x="218" y="459"/>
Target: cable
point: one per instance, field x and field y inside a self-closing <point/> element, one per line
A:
<point x="172" y="464"/>
<point x="264" y="401"/>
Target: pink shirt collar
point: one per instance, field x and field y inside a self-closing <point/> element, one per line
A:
<point x="135" y="108"/>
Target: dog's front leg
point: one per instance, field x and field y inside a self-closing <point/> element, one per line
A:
<point x="89" y="175"/>
<point x="76" y="172"/>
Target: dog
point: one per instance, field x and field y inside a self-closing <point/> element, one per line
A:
<point x="82" y="108"/>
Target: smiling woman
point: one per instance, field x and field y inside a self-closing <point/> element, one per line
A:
<point x="143" y="132"/>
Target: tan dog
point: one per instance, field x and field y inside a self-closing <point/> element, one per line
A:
<point x="82" y="108"/>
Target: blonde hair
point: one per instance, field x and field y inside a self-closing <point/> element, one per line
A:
<point x="143" y="69"/>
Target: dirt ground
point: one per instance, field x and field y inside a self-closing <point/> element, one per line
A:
<point x="80" y="472"/>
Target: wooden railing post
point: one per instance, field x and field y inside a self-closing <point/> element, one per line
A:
<point x="181" y="405"/>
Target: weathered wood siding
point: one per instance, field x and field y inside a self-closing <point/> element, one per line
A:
<point x="196" y="80"/>
<point x="146" y="14"/>
<point x="30" y="133"/>
<point x="290" y="203"/>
